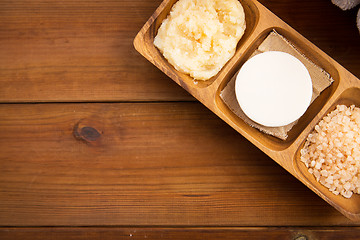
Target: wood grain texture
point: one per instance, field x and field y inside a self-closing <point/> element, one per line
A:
<point x="254" y="233"/>
<point x="77" y="51"/>
<point x="173" y="164"/>
<point x="138" y="164"/>
<point x="62" y="51"/>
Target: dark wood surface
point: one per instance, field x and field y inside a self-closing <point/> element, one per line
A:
<point x="151" y="160"/>
<point x="200" y="233"/>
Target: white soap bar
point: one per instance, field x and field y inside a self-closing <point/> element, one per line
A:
<point x="273" y="88"/>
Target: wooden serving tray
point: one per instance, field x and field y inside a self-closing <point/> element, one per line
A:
<point x="259" y="23"/>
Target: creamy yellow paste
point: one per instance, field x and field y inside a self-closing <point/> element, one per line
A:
<point x="198" y="37"/>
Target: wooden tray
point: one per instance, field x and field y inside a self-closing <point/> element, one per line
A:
<point x="259" y="23"/>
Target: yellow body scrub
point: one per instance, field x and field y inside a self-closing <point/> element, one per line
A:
<point x="198" y="37"/>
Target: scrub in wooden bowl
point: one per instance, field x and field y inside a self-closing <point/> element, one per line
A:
<point x="332" y="151"/>
<point x="198" y="37"/>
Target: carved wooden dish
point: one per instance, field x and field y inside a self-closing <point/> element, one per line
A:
<point x="259" y="23"/>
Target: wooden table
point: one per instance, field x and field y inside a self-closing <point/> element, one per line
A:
<point x="97" y="143"/>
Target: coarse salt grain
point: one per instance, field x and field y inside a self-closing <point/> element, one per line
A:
<point x="332" y="151"/>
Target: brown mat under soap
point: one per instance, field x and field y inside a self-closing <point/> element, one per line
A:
<point x="276" y="42"/>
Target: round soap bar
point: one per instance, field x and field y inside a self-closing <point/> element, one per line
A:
<point x="273" y="88"/>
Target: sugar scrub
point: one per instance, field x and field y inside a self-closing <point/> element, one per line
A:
<point x="332" y="151"/>
<point x="198" y="37"/>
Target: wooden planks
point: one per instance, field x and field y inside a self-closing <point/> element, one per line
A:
<point x="153" y="164"/>
<point x="147" y="164"/>
<point x="82" y="51"/>
<point x="77" y="51"/>
<point x="180" y="233"/>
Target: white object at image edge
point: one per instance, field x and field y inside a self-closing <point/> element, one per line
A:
<point x="273" y="88"/>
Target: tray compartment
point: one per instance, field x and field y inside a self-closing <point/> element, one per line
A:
<point x="349" y="207"/>
<point x="154" y="55"/>
<point x="267" y="140"/>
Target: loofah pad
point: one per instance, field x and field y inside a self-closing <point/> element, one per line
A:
<point x="346" y="4"/>
<point x="358" y="20"/>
